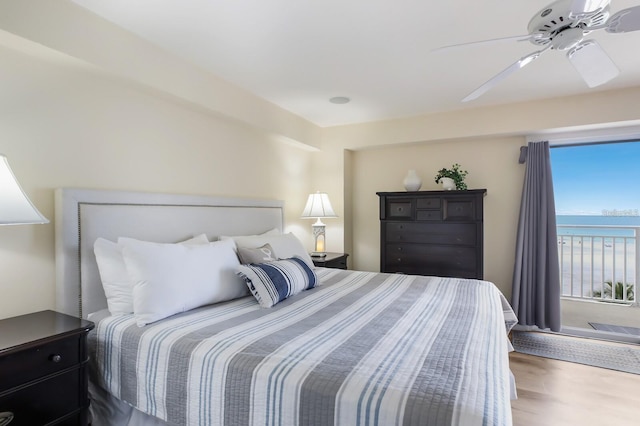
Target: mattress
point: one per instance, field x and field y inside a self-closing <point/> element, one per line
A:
<point x="361" y="348"/>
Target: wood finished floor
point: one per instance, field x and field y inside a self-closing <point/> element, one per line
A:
<point x="558" y="393"/>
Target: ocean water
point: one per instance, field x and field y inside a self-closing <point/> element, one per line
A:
<point x="607" y="222"/>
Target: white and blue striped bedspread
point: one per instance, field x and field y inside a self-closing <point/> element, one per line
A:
<point x="360" y="349"/>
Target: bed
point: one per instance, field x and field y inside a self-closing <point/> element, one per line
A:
<point x="359" y="348"/>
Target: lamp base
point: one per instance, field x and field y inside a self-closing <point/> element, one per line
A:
<point x="318" y="254"/>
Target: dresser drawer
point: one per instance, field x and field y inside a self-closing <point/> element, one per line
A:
<point x="399" y="209"/>
<point x="431" y="259"/>
<point x="459" y="210"/>
<point x="45" y="401"/>
<point x="435" y="215"/>
<point x="30" y="364"/>
<point x="428" y="203"/>
<point x="431" y="233"/>
<point x="432" y="271"/>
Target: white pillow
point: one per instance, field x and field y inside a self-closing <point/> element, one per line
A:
<point x="284" y="246"/>
<point x="173" y="278"/>
<point x="274" y="231"/>
<point x="116" y="283"/>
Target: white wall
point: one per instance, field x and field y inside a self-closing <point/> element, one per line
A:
<point x="66" y="126"/>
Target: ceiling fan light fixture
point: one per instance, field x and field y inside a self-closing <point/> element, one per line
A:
<point x="592" y="63"/>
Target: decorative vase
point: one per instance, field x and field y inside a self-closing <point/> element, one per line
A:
<point x="448" y="184"/>
<point x="412" y="181"/>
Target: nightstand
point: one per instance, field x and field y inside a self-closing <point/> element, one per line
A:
<point x="331" y="260"/>
<point x="43" y="369"/>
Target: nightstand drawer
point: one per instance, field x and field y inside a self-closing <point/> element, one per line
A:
<point x="39" y="361"/>
<point x="338" y="264"/>
<point x="331" y="260"/>
<point x="45" y="401"/>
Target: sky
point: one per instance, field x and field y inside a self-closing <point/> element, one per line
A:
<point x="590" y="178"/>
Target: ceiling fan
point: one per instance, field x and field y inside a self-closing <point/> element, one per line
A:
<point x="563" y="25"/>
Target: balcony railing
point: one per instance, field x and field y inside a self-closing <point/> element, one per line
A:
<point x="599" y="262"/>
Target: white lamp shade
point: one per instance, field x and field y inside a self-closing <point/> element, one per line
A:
<point x="15" y="206"/>
<point x="318" y="205"/>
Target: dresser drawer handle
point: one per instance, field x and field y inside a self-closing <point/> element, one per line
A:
<point x="5" y="418"/>
<point x="399" y="260"/>
<point x="399" y="248"/>
<point x="55" y="358"/>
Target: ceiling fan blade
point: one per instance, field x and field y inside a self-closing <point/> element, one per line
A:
<point x="592" y="63"/>
<point x="520" y="63"/>
<point x="625" y="21"/>
<point x="580" y="9"/>
<point x="526" y="37"/>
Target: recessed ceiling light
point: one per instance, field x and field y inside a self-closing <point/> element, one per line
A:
<point x="339" y="100"/>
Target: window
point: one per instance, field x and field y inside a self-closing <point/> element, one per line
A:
<point x="597" y="195"/>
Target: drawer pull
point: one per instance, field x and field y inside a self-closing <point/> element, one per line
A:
<point x="399" y="248"/>
<point x="5" y="418"/>
<point x="55" y="358"/>
<point x="399" y="259"/>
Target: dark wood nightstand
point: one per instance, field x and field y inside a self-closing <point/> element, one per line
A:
<point x="331" y="260"/>
<point x="43" y="369"/>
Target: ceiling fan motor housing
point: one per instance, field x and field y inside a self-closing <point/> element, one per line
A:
<point x="554" y="20"/>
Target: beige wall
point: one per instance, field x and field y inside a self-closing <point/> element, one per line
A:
<point x="63" y="126"/>
<point x="73" y="31"/>
<point x="492" y="164"/>
<point x="485" y="141"/>
<point x="109" y="110"/>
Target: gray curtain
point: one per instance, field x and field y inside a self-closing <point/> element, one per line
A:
<point x="536" y="277"/>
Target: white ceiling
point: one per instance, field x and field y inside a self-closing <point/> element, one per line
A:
<point x="299" y="53"/>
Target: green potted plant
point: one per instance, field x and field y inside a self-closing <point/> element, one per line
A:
<point x="452" y="178"/>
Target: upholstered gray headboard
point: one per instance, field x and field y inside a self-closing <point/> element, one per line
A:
<point x="81" y="216"/>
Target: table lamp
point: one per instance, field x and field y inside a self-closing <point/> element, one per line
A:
<point x="318" y="207"/>
<point x="15" y="206"/>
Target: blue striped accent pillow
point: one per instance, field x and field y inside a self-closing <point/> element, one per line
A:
<point x="272" y="282"/>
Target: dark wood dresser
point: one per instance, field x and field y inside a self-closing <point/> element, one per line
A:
<point x="43" y="369"/>
<point x="432" y="233"/>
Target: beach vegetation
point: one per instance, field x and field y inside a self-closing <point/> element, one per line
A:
<point x="616" y="292"/>
<point x="456" y="173"/>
